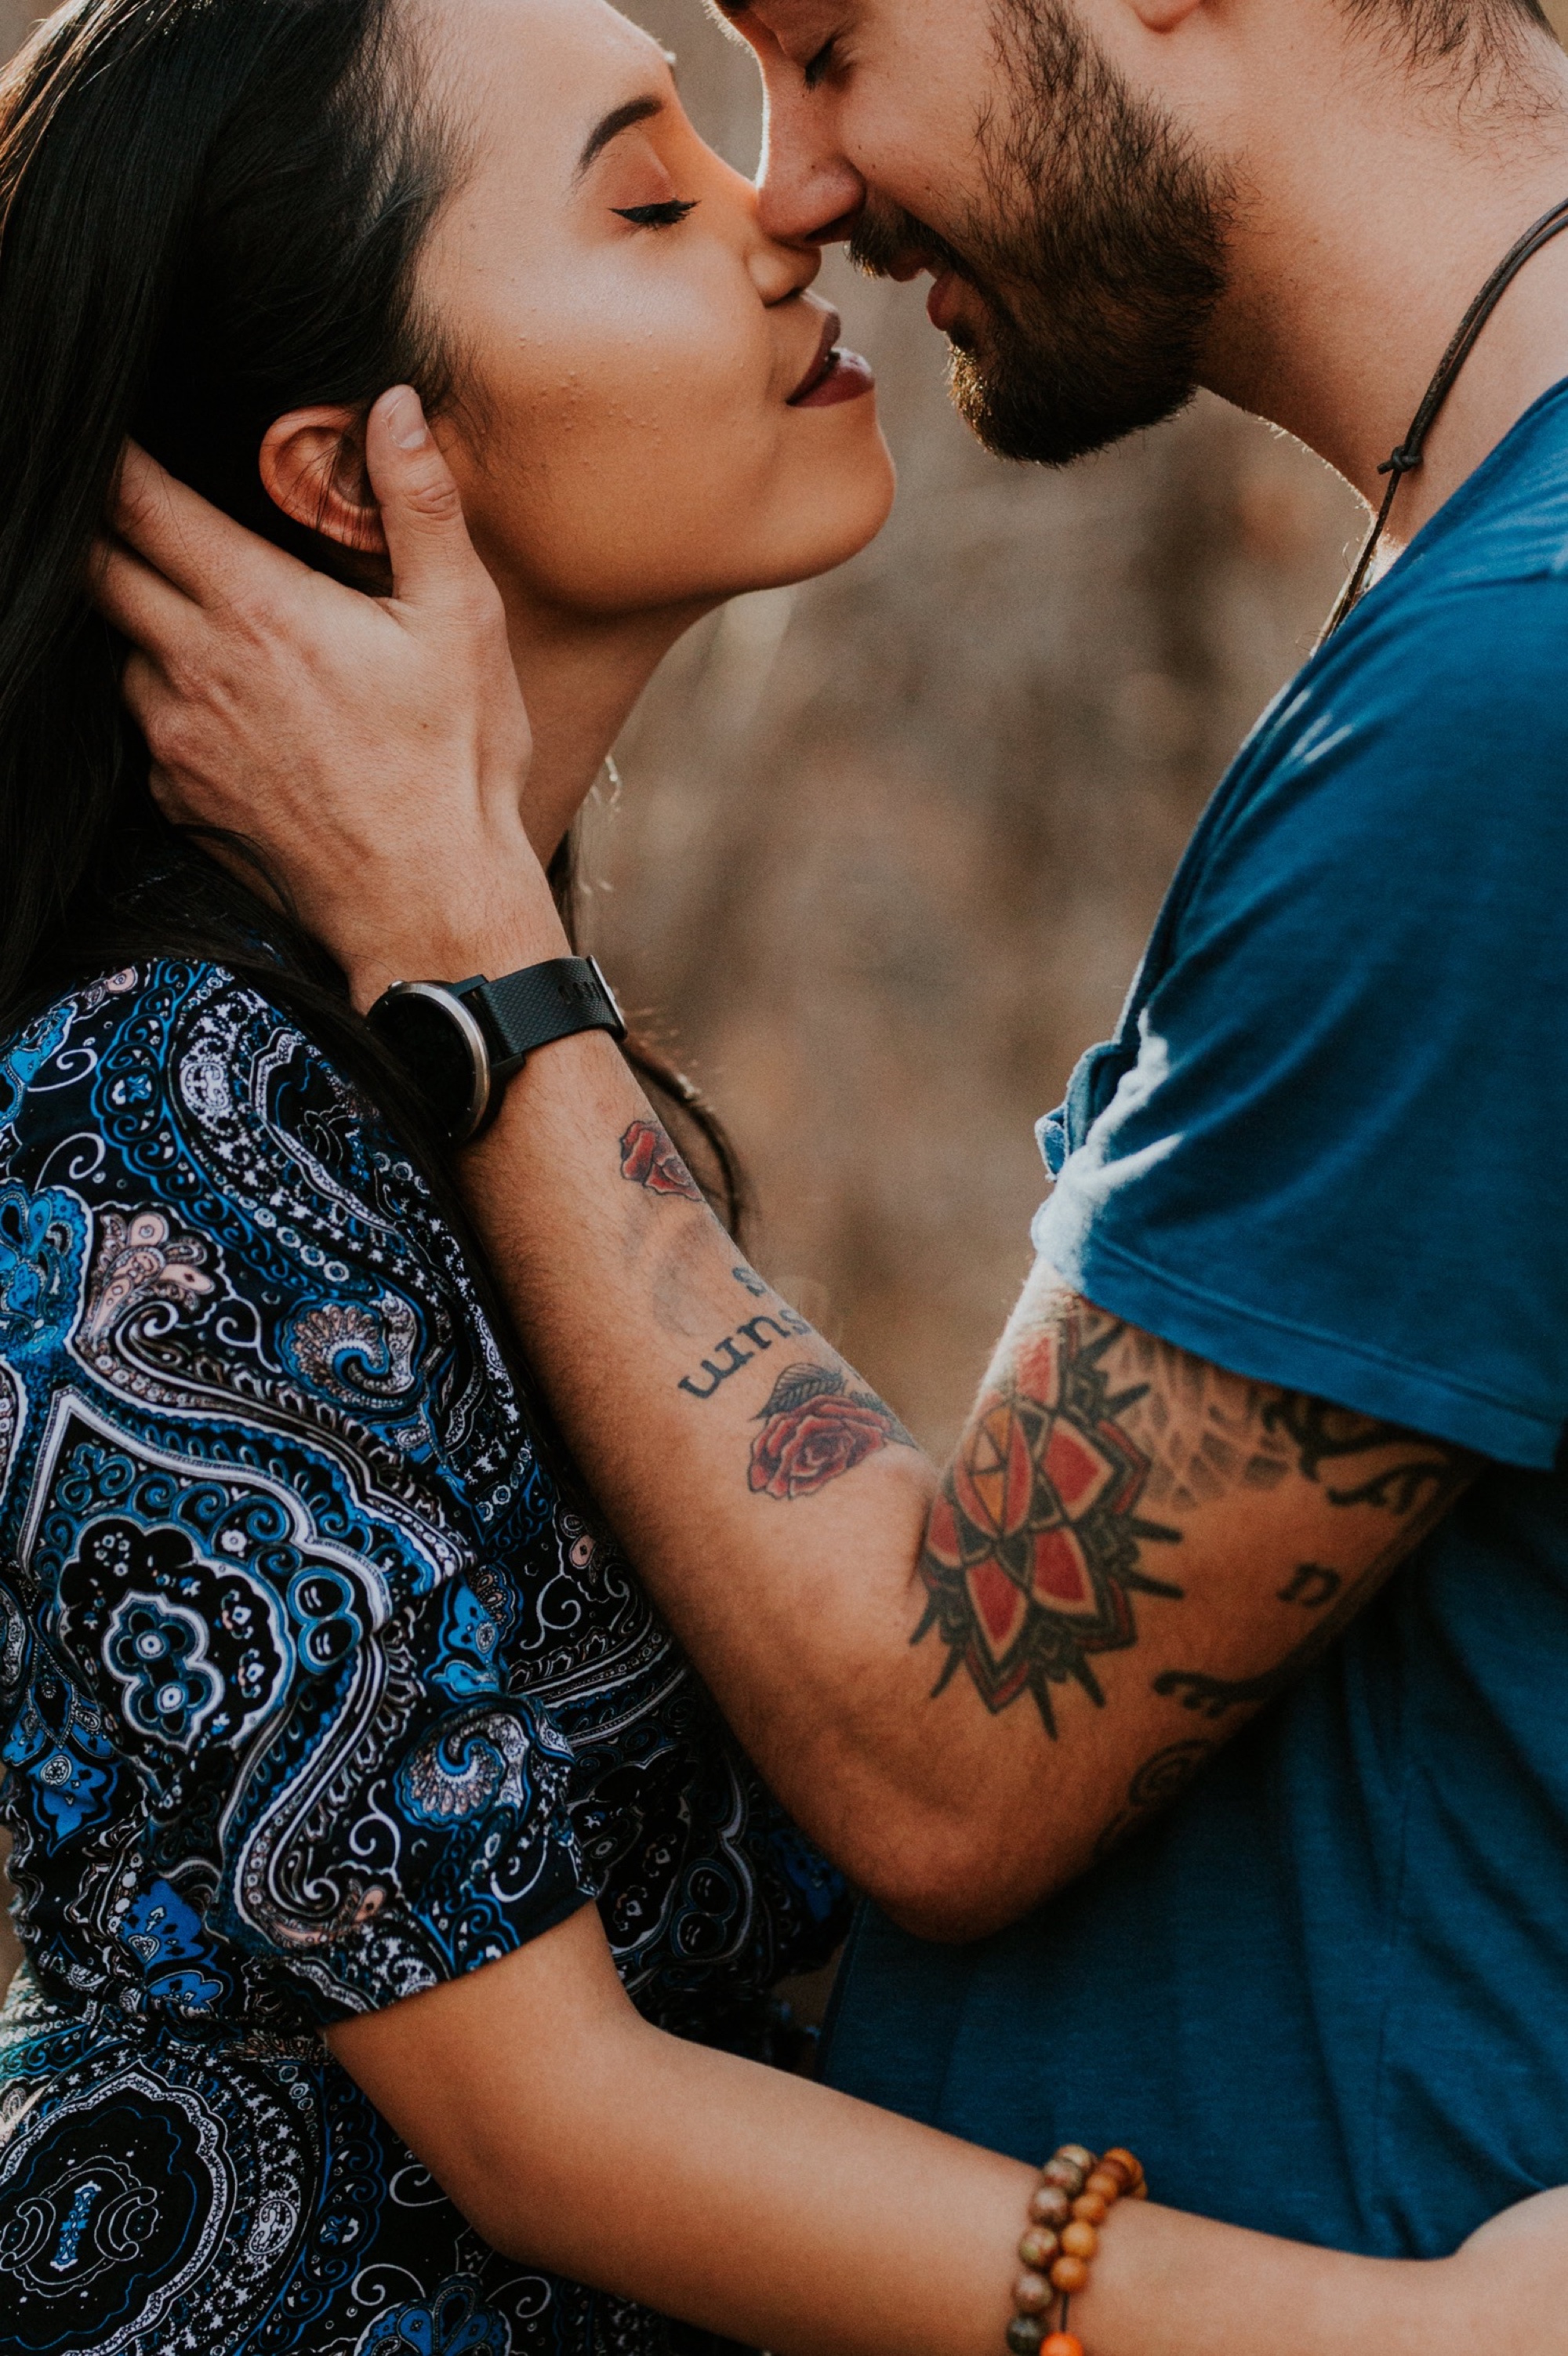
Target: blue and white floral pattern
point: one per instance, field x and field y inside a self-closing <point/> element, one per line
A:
<point x="319" y="1684"/>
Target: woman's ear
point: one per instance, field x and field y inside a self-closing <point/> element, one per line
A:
<point x="312" y="467"/>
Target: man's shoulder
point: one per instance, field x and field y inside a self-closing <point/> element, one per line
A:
<point x="1505" y="530"/>
<point x="1472" y="617"/>
<point x="1434" y="725"/>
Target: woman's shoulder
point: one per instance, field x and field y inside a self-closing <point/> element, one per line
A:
<point x="198" y="1193"/>
<point x="186" y="1076"/>
<point x="132" y="1040"/>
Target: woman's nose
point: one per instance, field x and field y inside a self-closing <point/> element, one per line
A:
<point x="779" y="270"/>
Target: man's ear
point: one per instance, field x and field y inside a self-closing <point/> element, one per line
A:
<point x="312" y="467"/>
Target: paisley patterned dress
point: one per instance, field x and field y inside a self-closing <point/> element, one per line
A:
<point x="319" y="1684"/>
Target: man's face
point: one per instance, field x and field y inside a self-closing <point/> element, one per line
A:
<point x="1076" y="242"/>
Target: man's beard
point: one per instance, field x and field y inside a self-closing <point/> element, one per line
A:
<point x="1099" y="251"/>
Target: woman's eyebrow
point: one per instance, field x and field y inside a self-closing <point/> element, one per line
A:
<point x="619" y="119"/>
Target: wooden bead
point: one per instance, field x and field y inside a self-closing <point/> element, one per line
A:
<point x="1078" y="2240"/>
<point x="1024" y="2334"/>
<point x="1077" y="2153"/>
<point x="1119" y="2154"/>
<point x="1049" y="2205"/>
<point x="1109" y="2182"/>
<point x="1063" y="2343"/>
<point x="1066" y="2173"/>
<point x="1039" y="2247"/>
<point x="1092" y="2207"/>
<point x="1069" y="2274"/>
<point x="1031" y="2293"/>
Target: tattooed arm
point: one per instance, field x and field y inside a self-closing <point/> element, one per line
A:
<point x="1131" y="1550"/>
<point x="966" y="1688"/>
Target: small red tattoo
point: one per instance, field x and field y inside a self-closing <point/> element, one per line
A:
<point x="814" y="1428"/>
<point x="648" y="1158"/>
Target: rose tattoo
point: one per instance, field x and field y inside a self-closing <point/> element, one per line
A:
<point x="649" y="1158"/>
<point x="814" y="1428"/>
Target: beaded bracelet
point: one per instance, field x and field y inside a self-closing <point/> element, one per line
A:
<point x="1075" y="2195"/>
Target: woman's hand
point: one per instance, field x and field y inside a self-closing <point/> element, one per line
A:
<point x="373" y="750"/>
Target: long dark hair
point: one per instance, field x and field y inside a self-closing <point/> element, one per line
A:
<point x="210" y="213"/>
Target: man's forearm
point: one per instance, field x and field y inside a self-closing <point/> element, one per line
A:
<point x="719" y="1433"/>
<point x="966" y="1691"/>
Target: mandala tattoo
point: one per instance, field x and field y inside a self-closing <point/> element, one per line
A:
<point x="814" y="1428"/>
<point x="649" y="1158"/>
<point x="1032" y="1554"/>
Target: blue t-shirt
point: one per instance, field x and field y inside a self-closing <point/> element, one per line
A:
<point x="1327" y="1996"/>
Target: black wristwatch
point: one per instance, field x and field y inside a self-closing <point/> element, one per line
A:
<point x="460" y="1042"/>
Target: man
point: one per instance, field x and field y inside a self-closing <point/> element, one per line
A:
<point x="1280" y="1836"/>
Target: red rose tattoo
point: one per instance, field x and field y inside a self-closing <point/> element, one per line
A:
<point x="814" y="1428"/>
<point x="648" y="1158"/>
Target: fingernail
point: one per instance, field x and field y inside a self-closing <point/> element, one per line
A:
<point x="405" y="419"/>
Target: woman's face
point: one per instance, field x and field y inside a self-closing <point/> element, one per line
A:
<point x="633" y="349"/>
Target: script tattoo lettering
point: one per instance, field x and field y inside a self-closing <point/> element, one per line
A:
<point x="1032" y="1553"/>
<point x="728" y="1356"/>
<point x="1413" y="1480"/>
<point x="1157" y="1782"/>
<point x="814" y="1428"/>
<point x="749" y="1282"/>
<point x="649" y="1158"/>
<point x="1311" y="1586"/>
<point x="1321" y="1434"/>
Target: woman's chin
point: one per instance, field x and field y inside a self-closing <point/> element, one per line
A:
<point x="840" y="513"/>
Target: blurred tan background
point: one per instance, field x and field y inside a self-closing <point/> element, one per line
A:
<point x="887" y="845"/>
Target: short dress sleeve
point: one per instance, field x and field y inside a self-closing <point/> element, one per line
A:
<point x="261" y="1464"/>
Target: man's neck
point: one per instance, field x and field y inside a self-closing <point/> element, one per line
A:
<point x="1358" y="248"/>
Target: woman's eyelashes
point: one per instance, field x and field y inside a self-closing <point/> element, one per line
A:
<point x="664" y="215"/>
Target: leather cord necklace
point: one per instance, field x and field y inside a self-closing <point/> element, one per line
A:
<point x="1408" y="456"/>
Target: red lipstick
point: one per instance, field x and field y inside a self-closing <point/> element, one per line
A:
<point x="834" y="374"/>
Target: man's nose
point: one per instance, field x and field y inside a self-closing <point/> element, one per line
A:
<point x="807" y="194"/>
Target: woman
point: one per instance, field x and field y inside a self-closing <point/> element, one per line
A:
<point x="329" y="1708"/>
<point x="369" y="1696"/>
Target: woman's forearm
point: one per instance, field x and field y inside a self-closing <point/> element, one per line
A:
<point x="789" y="2217"/>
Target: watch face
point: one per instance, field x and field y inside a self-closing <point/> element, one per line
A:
<point x="442" y="1049"/>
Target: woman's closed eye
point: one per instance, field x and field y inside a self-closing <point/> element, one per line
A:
<point x="664" y="215"/>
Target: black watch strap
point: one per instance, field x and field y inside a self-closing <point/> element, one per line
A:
<point x="529" y="1009"/>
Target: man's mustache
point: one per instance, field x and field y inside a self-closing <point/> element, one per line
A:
<point x="885" y="237"/>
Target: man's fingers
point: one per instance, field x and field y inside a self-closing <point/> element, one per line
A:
<point x="421" y="515"/>
<point x="150" y="611"/>
<point x="194" y="544"/>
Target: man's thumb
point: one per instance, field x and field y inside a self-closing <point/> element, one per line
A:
<point x="421" y="514"/>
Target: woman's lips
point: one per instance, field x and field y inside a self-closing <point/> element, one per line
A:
<point x="834" y="374"/>
<point x="846" y="378"/>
